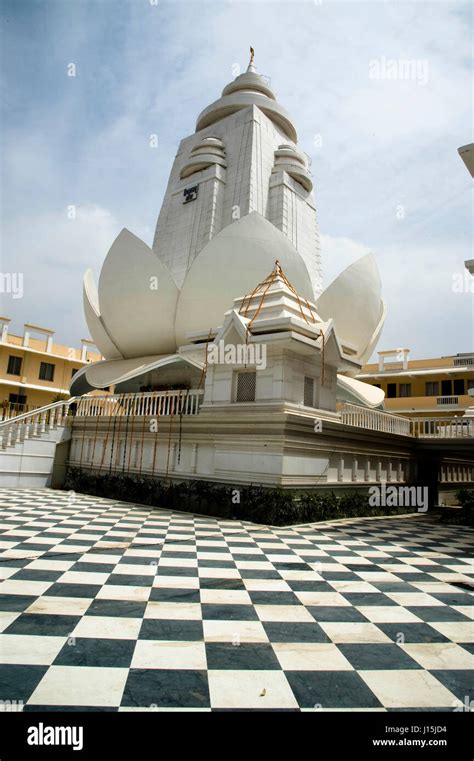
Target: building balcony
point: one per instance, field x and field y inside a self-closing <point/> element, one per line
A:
<point x="447" y="427"/>
<point x="444" y="366"/>
<point x="411" y="405"/>
<point x="146" y="404"/>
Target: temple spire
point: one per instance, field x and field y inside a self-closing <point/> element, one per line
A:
<point x="251" y="66"/>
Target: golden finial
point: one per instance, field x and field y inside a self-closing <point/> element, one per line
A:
<point x="252" y="53"/>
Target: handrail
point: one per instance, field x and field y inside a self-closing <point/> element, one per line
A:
<point x="9" y="410"/>
<point x="38" y="411"/>
<point x="417" y="427"/>
<point x="375" y="420"/>
<point x="443" y="427"/>
<point x="34" y="423"/>
<point x="143" y="404"/>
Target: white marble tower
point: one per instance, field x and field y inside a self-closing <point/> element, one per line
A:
<point x="243" y="157"/>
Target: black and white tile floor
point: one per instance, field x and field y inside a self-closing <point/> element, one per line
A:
<point x="107" y="605"/>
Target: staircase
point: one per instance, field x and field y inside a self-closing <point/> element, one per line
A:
<point x="34" y="446"/>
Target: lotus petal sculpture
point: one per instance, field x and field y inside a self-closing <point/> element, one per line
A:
<point x="139" y="318"/>
<point x="354" y="302"/>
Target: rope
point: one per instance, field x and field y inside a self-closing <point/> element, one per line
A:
<point x="131" y="435"/>
<point x="204" y="367"/>
<point x="106" y="441"/>
<point x="113" y="446"/>
<point x="125" y="442"/>
<point x="82" y="445"/>
<point x="72" y="424"/>
<point x="143" y="444"/>
<point x="82" y="442"/>
<point x="271" y="280"/>
<point x="155" y="445"/>
<point x="169" y="439"/>
<point x="119" y="416"/>
<point x="323" y="338"/>
<point x="181" y="423"/>
<point x="265" y="285"/>
<point x="95" y="435"/>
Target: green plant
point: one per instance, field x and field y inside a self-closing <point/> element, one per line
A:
<point x="463" y="515"/>
<point x="465" y="498"/>
<point x="266" y="505"/>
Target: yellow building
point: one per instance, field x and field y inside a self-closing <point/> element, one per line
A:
<point x="34" y="370"/>
<point x="422" y="387"/>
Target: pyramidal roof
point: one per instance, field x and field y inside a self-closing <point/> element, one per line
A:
<point x="275" y="302"/>
<point x="247" y="90"/>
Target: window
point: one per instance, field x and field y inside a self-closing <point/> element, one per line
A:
<point x="308" y="394"/>
<point x="14" y="365"/>
<point x="19" y="400"/>
<point x="376" y="385"/>
<point x="46" y="371"/>
<point x="446" y="388"/>
<point x="245" y="391"/>
<point x="458" y="386"/>
<point x="405" y="389"/>
<point x="470" y="383"/>
<point x="74" y="371"/>
<point x="432" y="388"/>
<point x="391" y="390"/>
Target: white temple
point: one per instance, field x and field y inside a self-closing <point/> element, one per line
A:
<point x="239" y="197"/>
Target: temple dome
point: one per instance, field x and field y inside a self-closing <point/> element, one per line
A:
<point x="249" y="82"/>
<point x="231" y="263"/>
<point x="206" y="153"/>
<point x="249" y="89"/>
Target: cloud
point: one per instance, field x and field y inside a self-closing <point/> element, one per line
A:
<point x="429" y="295"/>
<point x="339" y="253"/>
<point x="50" y="250"/>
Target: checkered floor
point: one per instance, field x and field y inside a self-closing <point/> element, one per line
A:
<point x="106" y="605"/>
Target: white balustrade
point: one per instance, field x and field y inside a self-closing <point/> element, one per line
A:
<point x="19" y="427"/>
<point x="143" y="404"/>
<point x="430" y="427"/>
<point x="444" y="427"/>
<point x="374" y="420"/>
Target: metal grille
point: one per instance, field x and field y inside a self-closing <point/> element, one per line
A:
<point x="246" y="387"/>
<point x="308" y="396"/>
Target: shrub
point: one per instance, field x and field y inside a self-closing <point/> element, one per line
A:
<point x="465" y="498"/>
<point x="465" y="515"/>
<point x="267" y="505"/>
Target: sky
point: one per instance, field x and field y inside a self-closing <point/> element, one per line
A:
<point x="77" y="165"/>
